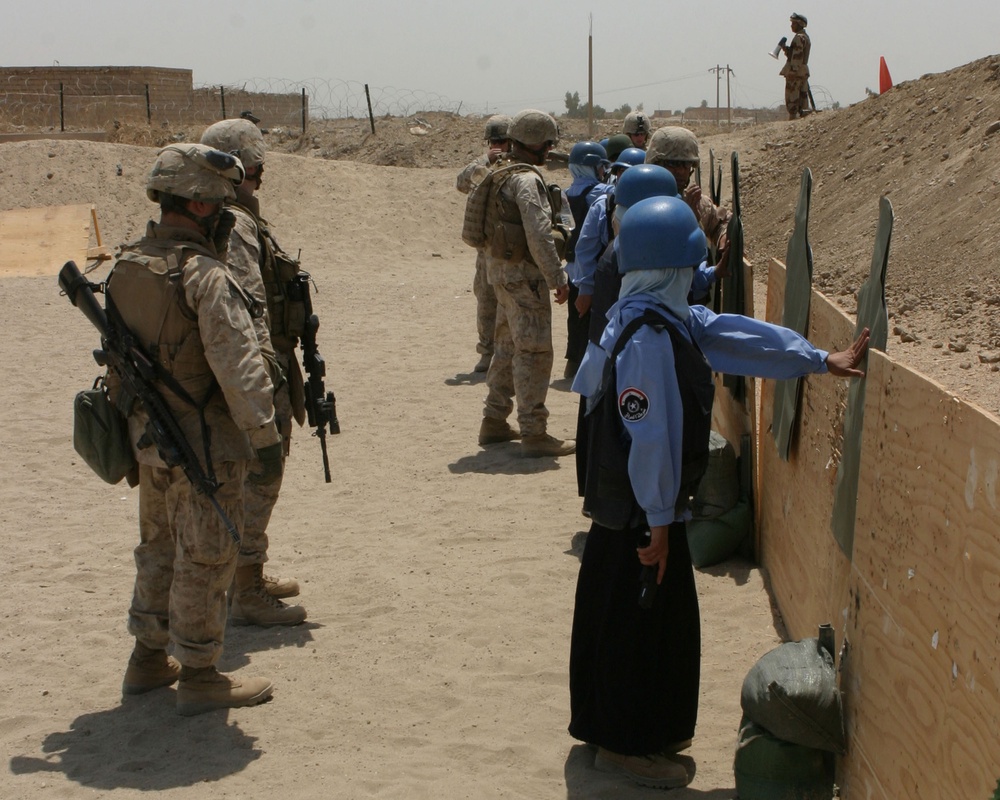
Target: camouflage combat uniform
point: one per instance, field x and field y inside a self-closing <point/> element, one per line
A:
<point x="189" y="313"/>
<point x="486" y="297"/>
<point x="522" y="358"/>
<point x="796" y="74"/>
<point x="249" y="248"/>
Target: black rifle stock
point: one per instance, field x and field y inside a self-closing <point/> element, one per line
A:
<point x="321" y="405"/>
<point x="123" y="355"/>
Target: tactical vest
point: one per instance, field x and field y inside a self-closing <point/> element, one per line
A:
<point x="145" y="288"/>
<point x="608" y="495"/>
<point x="504" y="228"/>
<point x="286" y="311"/>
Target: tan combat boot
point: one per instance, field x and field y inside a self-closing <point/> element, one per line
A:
<point x="252" y="605"/>
<point x="483" y="365"/>
<point x="658" y="771"/>
<point x="280" y="587"/>
<point x="544" y="445"/>
<point x="149" y="669"/>
<point x="494" y="431"/>
<point x="206" y="689"/>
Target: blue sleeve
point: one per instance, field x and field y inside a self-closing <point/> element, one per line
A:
<point x="649" y="403"/>
<point x="704" y="277"/>
<point x="739" y="345"/>
<point x="593" y="239"/>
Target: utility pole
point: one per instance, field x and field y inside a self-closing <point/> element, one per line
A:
<point x="590" y="79"/>
<point x="718" y="70"/>
<point x="729" y="103"/>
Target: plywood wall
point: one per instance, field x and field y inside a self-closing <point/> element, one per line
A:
<point x="918" y="604"/>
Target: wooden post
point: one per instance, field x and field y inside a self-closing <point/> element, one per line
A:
<point x="303" y="110"/>
<point x="149" y="115"/>
<point x="371" y="116"/>
<point x="62" y="109"/>
<point x="222" y="95"/>
<point x="590" y="80"/>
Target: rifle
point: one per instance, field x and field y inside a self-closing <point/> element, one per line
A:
<point x="321" y="405"/>
<point x="123" y="355"/>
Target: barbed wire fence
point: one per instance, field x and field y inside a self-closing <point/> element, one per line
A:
<point x="33" y="101"/>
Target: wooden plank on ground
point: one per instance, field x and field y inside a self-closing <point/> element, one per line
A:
<point x="38" y="241"/>
<point x="807" y="571"/>
<point x="922" y="677"/>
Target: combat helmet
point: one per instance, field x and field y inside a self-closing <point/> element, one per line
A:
<point x="636" y="122"/>
<point x="630" y="157"/>
<point x="660" y="233"/>
<point x="195" y="172"/>
<point x="617" y="144"/>
<point x="533" y="128"/>
<point x="588" y="154"/>
<point x="237" y="136"/>
<point x="496" y="127"/>
<point x="672" y="143"/>
<point x="643" y="181"/>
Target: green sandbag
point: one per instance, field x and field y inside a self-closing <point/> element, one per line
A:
<point x="768" y="768"/>
<point x="719" y="488"/>
<point x="712" y="541"/>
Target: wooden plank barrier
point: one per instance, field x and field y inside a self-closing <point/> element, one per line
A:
<point x="38" y="241"/>
<point x="919" y="604"/>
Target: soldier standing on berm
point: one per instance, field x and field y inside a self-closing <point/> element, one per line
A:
<point x="523" y="266"/>
<point x="796" y="69"/>
<point x="185" y="308"/>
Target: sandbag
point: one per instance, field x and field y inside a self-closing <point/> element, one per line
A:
<point x="712" y="541"/>
<point x="719" y="490"/>
<point x="792" y="692"/>
<point x="767" y="768"/>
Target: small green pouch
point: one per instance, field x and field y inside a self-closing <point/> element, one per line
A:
<point x="100" y="434"/>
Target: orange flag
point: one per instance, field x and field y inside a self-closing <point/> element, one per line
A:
<point x="884" y="81"/>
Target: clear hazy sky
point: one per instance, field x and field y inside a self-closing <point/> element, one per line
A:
<point x="507" y="56"/>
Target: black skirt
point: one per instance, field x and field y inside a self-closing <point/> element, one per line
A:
<point x="634" y="673"/>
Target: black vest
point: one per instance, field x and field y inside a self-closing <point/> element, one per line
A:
<point x="608" y="495"/>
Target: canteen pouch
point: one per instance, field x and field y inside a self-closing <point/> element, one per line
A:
<point x="100" y="434"/>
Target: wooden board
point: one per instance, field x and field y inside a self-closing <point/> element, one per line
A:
<point x="807" y="571"/>
<point x="38" y="241"/>
<point x="922" y="676"/>
<point x="919" y="607"/>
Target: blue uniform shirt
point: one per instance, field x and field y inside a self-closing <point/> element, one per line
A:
<point x="649" y="397"/>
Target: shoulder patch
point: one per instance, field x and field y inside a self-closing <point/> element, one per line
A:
<point x="633" y="404"/>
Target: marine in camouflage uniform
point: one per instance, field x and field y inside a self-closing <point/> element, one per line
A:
<point x="194" y="320"/>
<point x="796" y="69"/>
<point x="676" y="148"/>
<point x="251" y="257"/>
<point x="523" y="266"/>
<point x="486" y="297"/>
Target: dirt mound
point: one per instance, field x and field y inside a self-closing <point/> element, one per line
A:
<point x="931" y="146"/>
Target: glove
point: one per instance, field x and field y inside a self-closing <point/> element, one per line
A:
<point x="272" y="464"/>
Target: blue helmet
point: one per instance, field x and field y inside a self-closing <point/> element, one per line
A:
<point x="630" y="157"/>
<point x="589" y="154"/>
<point x="660" y="233"/>
<point x="642" y="181"/>
<point x="604" y="142"/>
